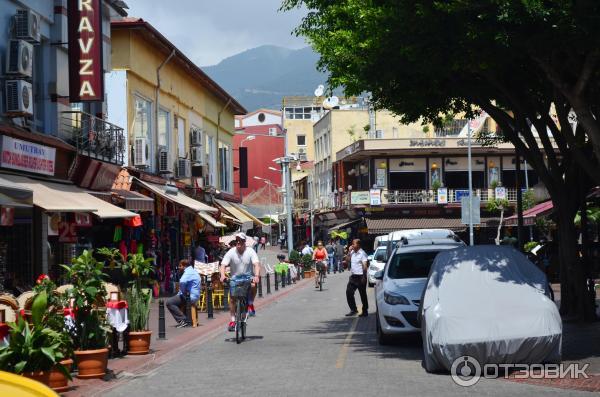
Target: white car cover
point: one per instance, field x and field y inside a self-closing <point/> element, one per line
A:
<point x="491" y="303"/>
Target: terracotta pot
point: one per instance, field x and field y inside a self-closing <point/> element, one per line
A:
<point x="307" y="274"/>
<point x="312" y="272"/>
<point x="41" y="376"/>
<point x="91" y="363"/>
<point x="139" y="342"/>
<point x="58" y="381"/>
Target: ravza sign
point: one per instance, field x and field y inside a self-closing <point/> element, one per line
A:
<point x="86" y="80"/>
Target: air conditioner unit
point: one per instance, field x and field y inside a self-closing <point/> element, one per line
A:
<point x="302" y="154"/>
<point x="19" y="98"/>
<point x="27" y="26"/>
<point x="183" y="168"/>
<point x="140" y="152"/>
<point x="196" y="136"/>
<point x="196" y="155"/>
<point x="163" y="160"/>
<point x="19" y="59"/>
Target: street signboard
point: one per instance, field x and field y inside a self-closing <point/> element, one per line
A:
<point x="464" y="210"/>
<point x="459" y="194"/>
<point x="442" y="195"/>
<point x="500" y="193"/>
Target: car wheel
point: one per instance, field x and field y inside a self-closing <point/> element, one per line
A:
<point x="382" y="338"/>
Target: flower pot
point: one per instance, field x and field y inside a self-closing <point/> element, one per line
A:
<point x="312" y="272"/>
<point x="58" y="381"/>
<point x="41" y="376"/>
<point x="307" y="274"/>
<point x="139" y="342"/>
<point x="91" y="363"/>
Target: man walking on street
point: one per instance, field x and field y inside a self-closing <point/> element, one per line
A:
<point x="331" y="257"/>
<point x="357" y="259"/>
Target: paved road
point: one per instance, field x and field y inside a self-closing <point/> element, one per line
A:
<point x="299" y="348"/>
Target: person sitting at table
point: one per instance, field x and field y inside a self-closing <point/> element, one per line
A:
<point x="189" y="284"/>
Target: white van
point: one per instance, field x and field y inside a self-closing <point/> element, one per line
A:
<point x="379" y="241"/>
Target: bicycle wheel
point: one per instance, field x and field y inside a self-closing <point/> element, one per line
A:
<point x="238" y="320"/>
<point x="321" y="281"/>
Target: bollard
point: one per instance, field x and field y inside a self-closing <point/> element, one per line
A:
<point x="282" y="280"/>
<point x="260" y="295"/>
<point x="226" y="297"/>
<point x="301" y="271"/>
<point x="161" y="319"/>
<point x="276" y="281"/>
<point x="209" y="299"/>
<point x="289" y="276"/>
<point x="268" y="283"/>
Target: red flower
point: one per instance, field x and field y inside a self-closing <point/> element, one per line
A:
<point x="41" y="278"/>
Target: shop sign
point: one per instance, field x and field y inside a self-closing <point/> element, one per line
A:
<point x="86" y="78"/>
<point x="360" y="197"/>
<point x="67" y="232"/>
<point x="27" y="156"/>
<point x="375" y="196"/>
<point x="427" y="142"/>
<point x="442" y="195"/>
<point x="460" y="194"/>
<point x="500" y="193"/>
<point x="7" y="216"/>
<point x="83" y="219"/>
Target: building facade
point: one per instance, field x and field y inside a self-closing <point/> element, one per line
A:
<point x="189" y="135"/>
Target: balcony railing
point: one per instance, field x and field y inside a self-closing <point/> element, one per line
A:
<point x="424" y="196"/>
<point x="93" y="136"/>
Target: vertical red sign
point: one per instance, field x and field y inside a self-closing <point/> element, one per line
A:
<point x="86" y="77"/>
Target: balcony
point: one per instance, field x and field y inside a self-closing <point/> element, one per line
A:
<point x="424" y="196"/>
<point x="93" y="137"/>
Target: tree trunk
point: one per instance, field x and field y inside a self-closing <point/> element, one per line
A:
<point x="574" y="304"/>
<point x="500" y="226"/>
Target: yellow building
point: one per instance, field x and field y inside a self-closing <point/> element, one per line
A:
<point x="299" y="115"/>
<point x="195" y="115"/>
<point x="339" y="128"/>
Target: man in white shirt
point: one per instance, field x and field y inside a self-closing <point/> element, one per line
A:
<point x="241" y="261"/>
<point x="358" y="279"/>
<point x="307" y="250"/>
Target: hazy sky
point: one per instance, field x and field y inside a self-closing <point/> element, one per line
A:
<point x="209" y="30"/>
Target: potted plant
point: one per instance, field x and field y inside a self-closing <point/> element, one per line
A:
<point x="54" y="319"/>
<point x="139" y="298"/>
<point x="307" y="266"/>
<point x="91" y="327"/>
<point x="34" y="351"/>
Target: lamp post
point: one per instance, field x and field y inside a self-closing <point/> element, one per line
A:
<point x="270" y="185"/>
<point x="285" y="168"/>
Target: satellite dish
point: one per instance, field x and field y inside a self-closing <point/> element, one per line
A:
<point x="320" y="90"/>
<point x="331" y="102"/>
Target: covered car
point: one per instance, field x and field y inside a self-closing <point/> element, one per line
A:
<point x="490" y="303"/>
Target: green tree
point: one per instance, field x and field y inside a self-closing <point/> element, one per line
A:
<point x="426" y="59"/>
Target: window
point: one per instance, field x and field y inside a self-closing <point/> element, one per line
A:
<point x="163" y="128"/>
<point x="143" y="118"/>
<point x="211" y="160"/>
<point x="224" y="171"/>
<point x="411" y="265"/>
<point x="261" y="117"/>
<point x="272" y="131"/>
<point x="301" y="140"/>
<point x="181" y="137"/>
<point x="378" y="134"/>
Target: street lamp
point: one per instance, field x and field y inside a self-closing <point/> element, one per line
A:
<point x="274" y="169"/>
<point x="248" y="138"/>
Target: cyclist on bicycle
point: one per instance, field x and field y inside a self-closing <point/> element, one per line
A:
<point x="243" y="263"/>
<point x="320" y="257"/>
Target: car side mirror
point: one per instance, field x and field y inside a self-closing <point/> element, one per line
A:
<point x="370" y="257"/>
<point x="378" y="275"/>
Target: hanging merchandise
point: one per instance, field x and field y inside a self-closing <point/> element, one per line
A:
<point x="118" y="236"/>
<point x="140" y="248"/>
<point x="123" y="248"/>
<point x="136" y="221"/>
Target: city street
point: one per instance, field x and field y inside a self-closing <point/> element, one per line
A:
<point x="302" y="344"/>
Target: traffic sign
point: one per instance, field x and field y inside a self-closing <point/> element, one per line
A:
<point x="476" y="210"/>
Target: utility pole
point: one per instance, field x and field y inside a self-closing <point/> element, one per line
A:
<point x="470" y="168"/>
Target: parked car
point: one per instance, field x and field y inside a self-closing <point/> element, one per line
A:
<point x="398" y="293"/>
<point x="380" y="241"/>
<point x="376" y="263"/>
<point x="490" y="303"/>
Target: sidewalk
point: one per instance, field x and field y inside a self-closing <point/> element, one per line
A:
<point x="177" y="339"/>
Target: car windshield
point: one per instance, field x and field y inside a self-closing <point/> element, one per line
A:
<point x="379" y="255"/>
<point x="411" y="264"/>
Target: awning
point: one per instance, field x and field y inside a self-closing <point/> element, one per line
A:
<point x="15" y="197"/>
<point x="211" y="221"/>
<point x="135" y="201"/>
<point x="530" y="214"/>
<point x="231" y="218"/>
<point x="175" y="196"/>
<point x="344" y="225"/>
<point x="56" y="197"/>
<point x="242" y="209"/>
<point x="244" y="219"/>
<point x="382" y="226"/>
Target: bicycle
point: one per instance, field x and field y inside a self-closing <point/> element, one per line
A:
<point x="321" y="270"/>
<point x="239" y="290"/>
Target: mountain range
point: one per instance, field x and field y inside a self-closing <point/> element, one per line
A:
<point x="262" y="76"/>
